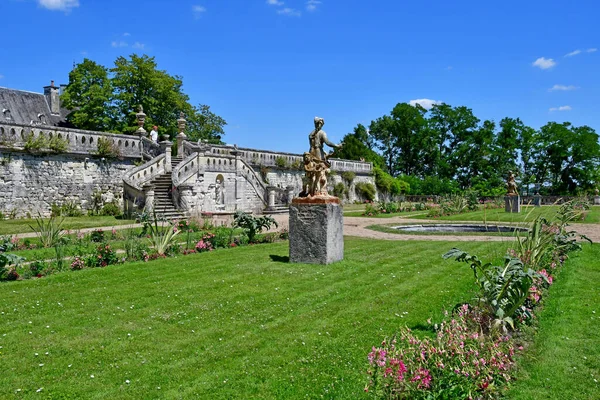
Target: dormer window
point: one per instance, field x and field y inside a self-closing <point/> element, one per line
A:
<point x="6" y="113"/>
<point x="42" y="118"/>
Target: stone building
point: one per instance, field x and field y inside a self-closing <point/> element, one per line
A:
<point x="44" y="163"/>
<point x="29" y="108"/>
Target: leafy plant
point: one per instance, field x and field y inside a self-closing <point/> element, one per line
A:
<point x="106" y="148"/>
<point x="49" y="231"/>
<point x="281" y="162"/>
<point x="58" y="145"/>
<point x="502" y="289"/>
<point x="97" y="236"/>
<point x="348" y="176"/>
<point x="340" y="190"/>
<point x="366" y="190"/>
<point x="103" y="256"/>
<point x="35" y="144"/>
<point x="251" y="224"/>
<point x="111" y="208"/>
<point x="8" y="266"/>
<point x="162" y="236"/>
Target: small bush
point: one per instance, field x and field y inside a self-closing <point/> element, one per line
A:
<point x="111" y="208"/>
<point x="106" y="148"/>
<point x="348" y="176"/>
<point x="103" y="256"/>
<point x="340" y="190"/>
<point x="281" y="162"/>
<point x="365" y="190"/>
<point x="35" y="144"/>
<point x="97" y="236"/>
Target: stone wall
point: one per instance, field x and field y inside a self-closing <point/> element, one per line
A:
<point x="32" y="183"/>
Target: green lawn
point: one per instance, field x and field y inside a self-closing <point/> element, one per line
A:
<point x="564" y="362"/>
<point x="237" y="323"/>
<point x="244" y="323"/>
<point x="12" y="226"/>
<point x="527" y="214"/>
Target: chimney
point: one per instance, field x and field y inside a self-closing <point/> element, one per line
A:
<point x="52" y="98"/>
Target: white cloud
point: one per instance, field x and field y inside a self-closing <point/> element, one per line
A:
<point x="198" y="11"/>
<point x="127" y="34"/>
<point x="561" y="108"/>
<point x="83" y="53"/>
<point x="1" y="76"/>
<point x="544" y="63"/>
<point x="290" y="12"/>
<point x="425" y="103"/>
<point x="61" y="5"/>
<point x="592" y="50"/>
<point x="573" y="53"/>
<point x="311" y="5"/>
<point x="120" y="43"/>
<point x="274" y="2"/>
<point x="562" y="87"/>
<point x="138" y="45"/>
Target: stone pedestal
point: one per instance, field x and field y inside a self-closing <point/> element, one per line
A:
<point x="597" y="200"/>
<point x="512" y="204"/>
<point x="537" y="200"/>
<point x="316" y="230"/>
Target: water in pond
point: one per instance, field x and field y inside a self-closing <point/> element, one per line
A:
<point x="458" y="228"/>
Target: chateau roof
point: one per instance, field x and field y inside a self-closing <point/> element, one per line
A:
<point x="28" y="108"/>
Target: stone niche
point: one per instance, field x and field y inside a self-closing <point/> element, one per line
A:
<point x="316" y="230"/>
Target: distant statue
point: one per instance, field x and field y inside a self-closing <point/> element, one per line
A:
<point x="316" y="162"/>
<point x="511" y="185"/>
<point x="219" y="192"/>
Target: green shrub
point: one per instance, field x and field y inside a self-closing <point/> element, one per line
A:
<point x="252" y="225"/>
<point x="8" y="266"/>
<point x="111" y="209"/>
<point x="103" y="256"/>
<point x="281" y="162"/>
<point x="35" y="144"/>
<point x="366" y="190"/>
<point x="97" y="236"/>
<point x="106" y="148"/>
<point x="58" y="145"/>
<point x="340" y="190"/>
<point x="348" y="176"/>
<point x="49" y="231"/>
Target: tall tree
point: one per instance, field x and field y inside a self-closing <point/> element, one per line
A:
<point x="399" y="137"/>
<point x="138" y="81"/>
<point x="203" y="124"/>
<point x="355" y="146"/>
<point x="89" y="95"/>
<point x="567" y="157"/>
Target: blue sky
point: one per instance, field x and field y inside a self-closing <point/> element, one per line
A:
<point x="270" y="66"/>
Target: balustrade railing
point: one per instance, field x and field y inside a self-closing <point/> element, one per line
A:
<point x="77" y="141"/>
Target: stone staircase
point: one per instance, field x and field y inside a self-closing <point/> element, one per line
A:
<point x="163" y="203"/>
<point x="277" y="209"/>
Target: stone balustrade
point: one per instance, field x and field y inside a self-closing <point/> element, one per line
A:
<point x="273" y="159"/>
<point x="78" y="141"/>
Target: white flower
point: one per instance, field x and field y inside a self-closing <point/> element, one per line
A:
<point x="39" y="390"/>
<point x="127" y="381"/>
<point x="92" y="376"/>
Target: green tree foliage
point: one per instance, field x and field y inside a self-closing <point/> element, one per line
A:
<point x="447" y="149"/>
<point x="90" y="96"/>
<point x="107" y="99"/>
<point x="567" y="157"/>
<point x="358" y="146"/>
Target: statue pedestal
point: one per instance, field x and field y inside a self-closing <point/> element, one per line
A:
<point x="537" y="200"/>
<point x="597" y="200"/>
<point x="316" y="230"/>
<point x="512" y="204"/>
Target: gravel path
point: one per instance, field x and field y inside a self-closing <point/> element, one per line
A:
<point x="357" y="226"/>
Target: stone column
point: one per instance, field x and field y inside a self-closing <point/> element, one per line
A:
<point x="185" y="197"/>
<point x="149" y="197"/>
<point x="271" y="194"/>
<point x="537" y="200"/>
<point x="167" y="150"/>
